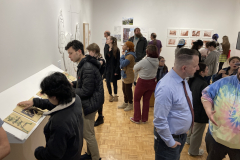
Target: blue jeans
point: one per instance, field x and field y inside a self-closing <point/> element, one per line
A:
<point x="163" y="152"/>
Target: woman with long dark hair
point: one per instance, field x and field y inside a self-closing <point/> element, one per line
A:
<point x="112" y="71"/>
<point x="147" y="69"/>
<point x="197" y="84"/>
<point x="196" y="46"/>
<point x="64" y="130"/>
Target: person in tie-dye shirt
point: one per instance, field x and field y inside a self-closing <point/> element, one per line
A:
<point x="221" y="101"/>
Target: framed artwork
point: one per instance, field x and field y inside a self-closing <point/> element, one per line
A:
<point x="19" y="122"/>
<point x="207" y="33"/>
<point x="127" y="21"/>
<point x="205" y="41"/>
<point x="196" y="33"/>
<point x="172" y="32"/>
<point x="172" y="42"/>
<point x="127" y="33"/>
<point x="187" y="42"/>
<point x="118" y="37"/>
<point x="184" y="33"/>
<point x="85" y="35"/>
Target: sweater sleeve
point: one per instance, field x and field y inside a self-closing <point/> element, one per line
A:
<point x="88" y="87"/>
<point x="55" y="147"/>
<point x="43" y="104"/>
<point x="123" y="62"/>
<point x="137" y="67"/>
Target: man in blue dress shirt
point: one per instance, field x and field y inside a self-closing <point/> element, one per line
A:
<point x="173" y="109"/>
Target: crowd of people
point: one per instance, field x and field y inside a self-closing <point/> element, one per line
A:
<point x="196" y="91"/>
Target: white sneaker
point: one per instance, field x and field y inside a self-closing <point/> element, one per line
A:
<point x="200" y="153"/>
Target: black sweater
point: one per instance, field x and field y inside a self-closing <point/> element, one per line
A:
<point x="196" y="85"/>
<point x="63" y="132"/>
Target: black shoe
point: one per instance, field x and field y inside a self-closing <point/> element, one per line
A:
<point x="85" y="157"/>
<point x="99" y="121"/>
<point x="135" y="83"/>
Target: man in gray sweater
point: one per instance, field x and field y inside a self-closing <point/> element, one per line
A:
<point x="212" y="60"/>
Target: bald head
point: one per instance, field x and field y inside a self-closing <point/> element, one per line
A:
<point x="106" y="34"/>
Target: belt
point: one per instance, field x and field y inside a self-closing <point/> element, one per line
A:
<point x="178" y="136"/>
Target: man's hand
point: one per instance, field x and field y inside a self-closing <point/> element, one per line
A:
<point x="222" y="71"/>
<point x="210" y="116"/>
<point x="115" y="74"/>
<point x="176" y="144"/>
<point x="26" y="104"/>
<point x="224" y="75"/>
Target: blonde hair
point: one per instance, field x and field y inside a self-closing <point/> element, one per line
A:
<point x="94" y="47"/>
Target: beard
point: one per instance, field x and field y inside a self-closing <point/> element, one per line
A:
<point x="138" y="35"/>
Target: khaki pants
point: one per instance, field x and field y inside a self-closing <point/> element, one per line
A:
<point x="195" y="138"/>
<point x="89" y="135"/>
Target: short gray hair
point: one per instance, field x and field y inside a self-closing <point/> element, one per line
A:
<point x="184" y="56"/>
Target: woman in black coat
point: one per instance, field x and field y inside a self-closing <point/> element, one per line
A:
<point x="64" y="130"/>
<point x="197" y="84"/>
<point x="112" y="71"/>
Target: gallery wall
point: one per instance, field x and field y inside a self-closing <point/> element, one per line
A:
<point x="29" y="35"/>
<point x="29" y="43"/>
<point x="160" y="15"/>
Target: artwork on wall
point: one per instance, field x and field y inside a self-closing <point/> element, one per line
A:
<point x="117" y="29"/>
<point x="126" y="34"/>
<point x="172" y="32"/>
<point x="19" y="122"/>
<point x="85" y="35"/>
<point x="184" y="33"/>
<point x="172" y="42"/>
<point x="32" y="113"/>
<point x="187" y="42"/>
<point x="196" y="33"/>
<point x="77" y="34"/>
<point x="61" y="37"/>
<point x="127" y="21"/>
<point x="207" y="33"/>
<point x="118" y="37"/>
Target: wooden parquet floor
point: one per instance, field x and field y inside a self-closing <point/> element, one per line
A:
<point x="120" y="139"/>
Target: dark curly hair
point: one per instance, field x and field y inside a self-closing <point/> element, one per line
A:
<point x="58" y="85"/>
<point x="76" y="45"/>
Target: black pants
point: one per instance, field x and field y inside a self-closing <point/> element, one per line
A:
<point x="220" y="66"/>
<point x="217" y="151"/>
<point x="108" y="79"/>
<point x="127" y="91"/>
<point x="100" y="111"/>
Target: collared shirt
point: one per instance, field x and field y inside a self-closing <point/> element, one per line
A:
<point x="224" y="96"/>
<point x="172" y="114"/>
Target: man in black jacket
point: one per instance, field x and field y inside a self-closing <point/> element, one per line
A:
<point x="140" y="45"/>
<point x="89" y="87"/>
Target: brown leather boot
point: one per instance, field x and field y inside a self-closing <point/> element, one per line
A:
<point x="111" y="98"/>
<point x="115" y="99"/>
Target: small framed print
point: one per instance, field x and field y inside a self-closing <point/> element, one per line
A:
<point x="172" y="42"/>
<point x="184" y="32"/>
<point x="172" y="32"/>
<point x="207" y="34"/>
<point x="196" y="33"/>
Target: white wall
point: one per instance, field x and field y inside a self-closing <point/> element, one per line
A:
<point x="161" y="14"/>
<point x="29" y="34"/>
